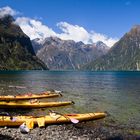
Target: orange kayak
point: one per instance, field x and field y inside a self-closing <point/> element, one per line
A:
<point x="29" y="96"/>
<point x="47" y="120"/>
<point x="28" y="104"/>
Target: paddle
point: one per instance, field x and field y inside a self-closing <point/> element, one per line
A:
<point x="57" y="115"/>
<point x="73" y="120"/>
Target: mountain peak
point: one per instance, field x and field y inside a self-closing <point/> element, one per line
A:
<point x="100" y="43"/>
<point x="7" y="26"/>
<point x="135" y="28"/>
<point x="51" y="39"/>
<point x="80" y="43"/>
<point x="7" y="19"/>
<point x="124" y="55"/>
<point x="67" y="54"/>
<point x="101" y="46"/>
<point x="16" y="49"/>
<point x="7" y="16"/>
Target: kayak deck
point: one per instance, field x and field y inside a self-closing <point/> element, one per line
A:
<point x="6" y="121"/>
<point x="29" y="96"/>
<point x="28" y="104"/>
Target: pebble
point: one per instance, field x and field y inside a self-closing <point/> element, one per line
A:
<point x="82" y="131"/>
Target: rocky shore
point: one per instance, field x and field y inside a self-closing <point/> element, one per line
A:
<point x="94" y="130"/>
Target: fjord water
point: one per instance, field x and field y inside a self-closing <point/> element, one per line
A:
<point x="118" y="93"/>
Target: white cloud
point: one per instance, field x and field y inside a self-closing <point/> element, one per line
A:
<point x="7" y="11"/>
<point x="73" y="32"/>
<point x="104" y="38"/>
<point x="34" y="28"/>
<point x="77" y="33"/>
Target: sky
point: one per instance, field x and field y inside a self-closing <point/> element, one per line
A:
<point x="80" y="20"/>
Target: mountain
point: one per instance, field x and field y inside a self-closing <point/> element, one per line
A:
<point x="16" y="51"/>
<point x="37" y="44"/>
<point x="124" y="55"/>
<point x="60" y="54"/>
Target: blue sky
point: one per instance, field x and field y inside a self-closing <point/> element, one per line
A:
<point x="109" y="17"/>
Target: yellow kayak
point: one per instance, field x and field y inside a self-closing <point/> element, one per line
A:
<point x="29" y="104"/>
<point x="30" y="121"/>
<point x="29" y="96"/>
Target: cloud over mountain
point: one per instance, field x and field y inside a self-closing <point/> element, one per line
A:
<point x="7" y="11"/>
<point x="36" y="29"/>
<point x="109" y="41"/>
<point x="72" y="32"/>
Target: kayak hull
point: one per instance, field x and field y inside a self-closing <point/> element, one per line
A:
<point x="5" y="120"/>
<point x="33" y="105"/>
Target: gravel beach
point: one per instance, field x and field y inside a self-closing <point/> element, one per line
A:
<point x="94" y="130"/>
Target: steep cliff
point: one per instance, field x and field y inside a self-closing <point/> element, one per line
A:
<point x="61" y="54"/>
<point x="16" y="51"/>
<point x="124" y="55"/>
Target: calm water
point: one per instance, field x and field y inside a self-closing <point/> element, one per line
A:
<point x="115" y="92"/>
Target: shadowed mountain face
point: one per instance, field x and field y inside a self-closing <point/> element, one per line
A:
<point x="16" y="51"/>
<point x="67" y="54"/>
<point x="124" y="55"/>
